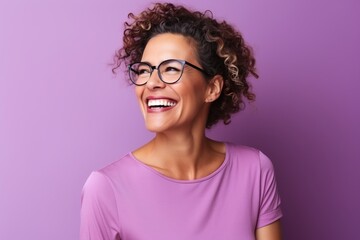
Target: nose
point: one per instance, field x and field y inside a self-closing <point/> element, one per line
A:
<point x="154" y="81"/>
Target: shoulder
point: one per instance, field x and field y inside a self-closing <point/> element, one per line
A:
<point x="96" y="186"/>
<point x="104" y="177"/>
<point x="241" y="150"/>
<point x="102" y="182"/>
<point x="119" y="167"/>
<point x="248" y="156"/>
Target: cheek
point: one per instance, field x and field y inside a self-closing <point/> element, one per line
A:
<point x="138" y="92"/>
<point x="195" y="92"/>
<point x="138" y="95"/>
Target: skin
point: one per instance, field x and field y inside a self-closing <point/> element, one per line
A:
<point x="180" y="130"/>
<point x="269" y="232"/>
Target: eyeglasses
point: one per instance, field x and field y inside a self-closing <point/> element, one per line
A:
<point x="169" y="71"/>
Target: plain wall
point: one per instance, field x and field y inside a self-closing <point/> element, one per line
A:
<point x="63" y="113"/>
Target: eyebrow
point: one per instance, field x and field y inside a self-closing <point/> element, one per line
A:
<point x="146" y="62"/>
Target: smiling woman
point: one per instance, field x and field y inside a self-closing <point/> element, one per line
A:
<point x="181" y="184"/>
<point x="188" y="96"/>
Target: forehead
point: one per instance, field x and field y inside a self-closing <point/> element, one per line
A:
<point x="169" y="46"/>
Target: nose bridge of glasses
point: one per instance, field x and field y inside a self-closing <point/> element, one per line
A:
<point x="152" y="68"/>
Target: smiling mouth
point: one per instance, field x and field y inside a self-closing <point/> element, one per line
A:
<point x="160" y="103"/>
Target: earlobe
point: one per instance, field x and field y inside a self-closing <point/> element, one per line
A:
<point x="214" y="88"/>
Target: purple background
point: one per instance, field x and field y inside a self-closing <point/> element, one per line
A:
<point x="63" y="114"/>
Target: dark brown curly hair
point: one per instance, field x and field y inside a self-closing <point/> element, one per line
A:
<point x="220" y="50"/>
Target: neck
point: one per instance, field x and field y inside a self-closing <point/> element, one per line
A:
<point x="182" y="156"/>
<point x="179" y="147"/>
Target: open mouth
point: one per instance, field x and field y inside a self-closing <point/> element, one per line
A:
<point x="160" y="103"/>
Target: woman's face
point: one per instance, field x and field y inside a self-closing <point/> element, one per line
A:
<point x="180" y="105"/>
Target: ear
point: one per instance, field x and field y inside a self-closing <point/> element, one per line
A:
<point x="214" y="88"/>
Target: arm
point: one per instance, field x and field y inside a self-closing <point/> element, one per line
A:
<point x="268" y="227"/>
<point x="98" y="218"/>
<point x="269" y="232"/>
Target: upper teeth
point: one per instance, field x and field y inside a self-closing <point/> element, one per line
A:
<point x="160" y="102"/>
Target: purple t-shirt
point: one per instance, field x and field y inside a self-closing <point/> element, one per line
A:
<point x="129" y="200"/>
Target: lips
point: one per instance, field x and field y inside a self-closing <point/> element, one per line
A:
<point x="160" y="104"/>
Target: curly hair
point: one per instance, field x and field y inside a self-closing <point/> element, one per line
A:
<point x="221" y="50"/>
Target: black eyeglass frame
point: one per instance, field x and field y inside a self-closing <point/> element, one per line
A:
<point x="152" y="68"/>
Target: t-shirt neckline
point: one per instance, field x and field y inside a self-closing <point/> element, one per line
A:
<point x="211" y="175"/>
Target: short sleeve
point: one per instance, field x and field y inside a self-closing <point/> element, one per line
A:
<point x="99" y="219"/>
<point x="269" y="198"/>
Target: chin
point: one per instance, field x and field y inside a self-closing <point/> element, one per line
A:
<point x="155" y="128"/>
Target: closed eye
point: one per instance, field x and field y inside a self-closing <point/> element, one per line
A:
<point x="172" y="69"/>
<point x="143" y="71"/>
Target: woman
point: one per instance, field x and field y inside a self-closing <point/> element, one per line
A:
<point x="190" y="71"/>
